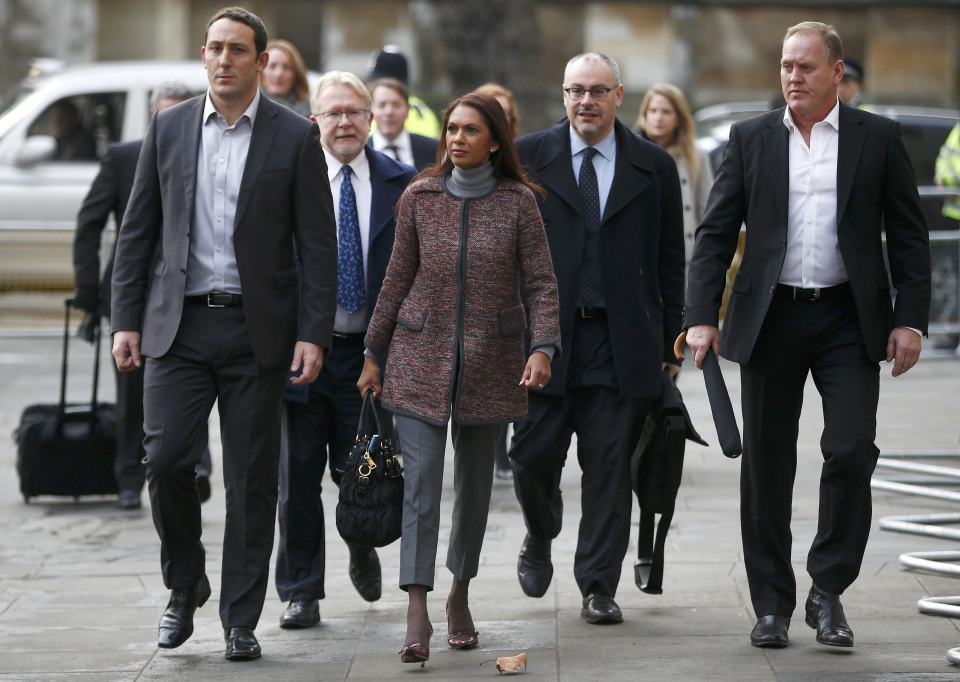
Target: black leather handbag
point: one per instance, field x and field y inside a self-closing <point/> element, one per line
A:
<point x="370" y="508"/>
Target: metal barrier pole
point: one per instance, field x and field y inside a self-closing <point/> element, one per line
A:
<point x="938" y="562"/>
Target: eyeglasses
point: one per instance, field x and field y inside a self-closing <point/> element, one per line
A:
<point x="597" y="92"/>
<point x="353" y="116"/>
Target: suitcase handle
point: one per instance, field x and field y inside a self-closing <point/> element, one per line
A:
<point x="68" y="303"/>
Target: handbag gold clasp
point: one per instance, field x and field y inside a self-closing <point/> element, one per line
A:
<point x="367" y="464"/>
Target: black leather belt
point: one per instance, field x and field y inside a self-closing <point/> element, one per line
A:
<point x="588" y="313"/>
<point x="216" y="299"/>
<point x="341" y="340"/>
<point x="812" y="295"/>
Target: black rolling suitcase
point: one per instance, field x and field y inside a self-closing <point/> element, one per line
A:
<point x="67" y="448"/>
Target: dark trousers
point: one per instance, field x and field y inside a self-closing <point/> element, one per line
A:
<point x="317" y="431"/>
<point x="128" y="467"/>
<point x="822" y="338"/>
<point x="608" y="428"/>
<point x="211" y="360"/>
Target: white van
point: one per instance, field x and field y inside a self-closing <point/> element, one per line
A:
<point x="43" y="181"/>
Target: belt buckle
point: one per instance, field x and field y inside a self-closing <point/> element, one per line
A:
<point x="816" y="295"/>
<point x="211" y="304"/>
<point x="584" y="315"/>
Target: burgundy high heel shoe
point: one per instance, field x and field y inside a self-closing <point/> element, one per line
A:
<point x="417" y="652"/>
<point x="464" y="639"/>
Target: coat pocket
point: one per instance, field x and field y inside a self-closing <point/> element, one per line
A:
<point x="511" y="321"/>
<point x="411" y="319"/>
<point x="742" y="283"/>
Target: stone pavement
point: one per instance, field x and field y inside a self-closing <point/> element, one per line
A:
<point x="80" y="588"/>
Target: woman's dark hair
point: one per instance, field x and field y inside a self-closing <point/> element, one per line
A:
<point x="506" y="161"/>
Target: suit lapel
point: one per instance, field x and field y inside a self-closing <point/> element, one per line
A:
<point x="629" y="180"/>
<point x="383" y="194"/>
<point x="189" y="151"/>
<point x="555" y="167"/>
<point x="848" y="155"/>
<point x="776" y="153"/>
<point x="261" y="140"/>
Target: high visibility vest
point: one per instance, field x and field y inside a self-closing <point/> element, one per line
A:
<point x="421" y="119"/>
<point x="947" y="171"/>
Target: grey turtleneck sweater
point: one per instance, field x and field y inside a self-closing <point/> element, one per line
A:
<point x="471" y="183"/>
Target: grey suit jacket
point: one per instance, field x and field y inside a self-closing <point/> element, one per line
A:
<point x="284" y="198"/>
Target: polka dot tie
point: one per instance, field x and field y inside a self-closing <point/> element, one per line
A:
<point x="351" y="292"/>
<point x="591" y="283"/>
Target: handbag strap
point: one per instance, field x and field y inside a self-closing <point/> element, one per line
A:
<point x="362" y="421"/>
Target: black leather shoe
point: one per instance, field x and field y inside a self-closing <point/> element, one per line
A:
<point x="770" y="632"/>
<point x="203" y="488"/>
<point x="242" y="644"/>
<point x="599" y="609"/>
<point x="825" y="615"/>
<point x="128" y="499"/>
<point x="300" y="613"/>
<point x="534" y="569"/>
<point x="176" y="623"/>
<point x="365" y="571"/>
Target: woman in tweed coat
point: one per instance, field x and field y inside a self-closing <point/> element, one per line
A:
<point x="450" y="320"/>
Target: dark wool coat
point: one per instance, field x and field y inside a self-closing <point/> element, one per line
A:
<point x="453" y="284"/>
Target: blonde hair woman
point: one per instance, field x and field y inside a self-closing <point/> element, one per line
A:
<point x="665" y="120"/>
<point x="284" y="79"/>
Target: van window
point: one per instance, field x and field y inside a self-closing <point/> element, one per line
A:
<point x="84" y="126"/>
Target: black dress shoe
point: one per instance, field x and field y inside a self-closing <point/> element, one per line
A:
<point x="128" y="499"/>
<point x="365" y="571"/>
<point x="770" y="632"/>
<point x="242" y="644"/>
<point x="300" y="613"/>
<point x="825" y="615"/>
<point x="534" y="569"/>
<point x="176" y="623"/>
<point x="203" y="488"/>
<point x="599" y="609"/>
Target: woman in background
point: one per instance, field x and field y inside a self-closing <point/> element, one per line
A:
<point x="507" y="101"/>
<point x="666" y="121"/>
<point x="285" y="78"/>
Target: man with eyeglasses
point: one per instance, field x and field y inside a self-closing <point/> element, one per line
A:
<point x="321" y="418"/>
<point x="614" y="221"/>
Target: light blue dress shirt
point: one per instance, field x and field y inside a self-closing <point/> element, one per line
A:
<point x="604" y="162"/>
<point x="212" y="263"/>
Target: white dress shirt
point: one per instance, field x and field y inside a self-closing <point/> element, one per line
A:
<point x="401" y="142"/>
<point x="344" y="322"/>
<point x="604" y="162"/>
<point x="212" y="261"/>
<point x="813" y="254"/>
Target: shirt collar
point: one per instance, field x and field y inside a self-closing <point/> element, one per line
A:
<point x="250" y="112"/>
<point x="401" y="141"/>
<point x="832" y="119"/>
<point x="606" y="147"/>
<point x="359" y="165"/>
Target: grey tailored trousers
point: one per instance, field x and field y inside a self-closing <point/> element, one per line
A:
<point x="423" y="447"/>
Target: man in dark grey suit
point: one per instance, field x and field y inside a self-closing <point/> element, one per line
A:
<point x="205" y="286"/>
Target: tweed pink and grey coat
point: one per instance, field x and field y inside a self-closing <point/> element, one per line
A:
<point x="453" y="281"/>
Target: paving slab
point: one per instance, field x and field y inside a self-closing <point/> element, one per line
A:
<point x="81" y="592"/>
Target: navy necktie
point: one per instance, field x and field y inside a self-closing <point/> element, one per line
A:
<point x="351" y="292"/>
<point x="591" y="285"/>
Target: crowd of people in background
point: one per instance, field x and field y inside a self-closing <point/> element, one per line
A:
<point x="329" y="243"/>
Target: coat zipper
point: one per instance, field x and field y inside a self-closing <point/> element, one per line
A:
<point x="457" y="384"/>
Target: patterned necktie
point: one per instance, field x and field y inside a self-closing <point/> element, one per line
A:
<point x="591" y="286"/>
<point x="351" y="292"/>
